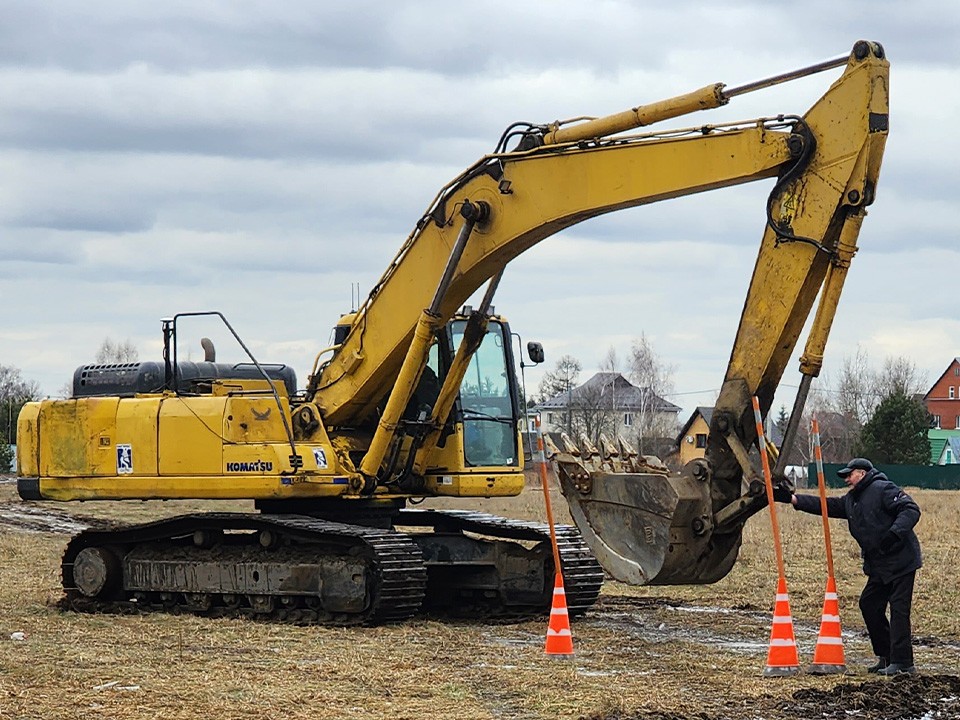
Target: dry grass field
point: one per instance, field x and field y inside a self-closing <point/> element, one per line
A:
<point x="659" y="653"/>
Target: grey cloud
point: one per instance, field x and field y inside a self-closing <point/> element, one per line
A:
<point x="20" y="248"/>
<point x="364" y="33"/>
<point x="254" y="114"/>
<point x="464" y="40"/>
<point x="107" y="220"/>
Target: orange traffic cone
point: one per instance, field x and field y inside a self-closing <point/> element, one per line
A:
<point x="782" y="657"/>
<point x="559" y="637"/>
<point x="828" y="654"/>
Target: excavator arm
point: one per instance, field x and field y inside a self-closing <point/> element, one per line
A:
<point x="688" y="529"/>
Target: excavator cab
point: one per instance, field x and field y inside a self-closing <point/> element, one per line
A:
<point x="489" y="398"/>
<point x="478" y="444"/>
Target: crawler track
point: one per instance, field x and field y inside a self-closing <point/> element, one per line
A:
<point x="393" y="591"/>
<point x="582" y="575"/>
<point x="307" y="570"/>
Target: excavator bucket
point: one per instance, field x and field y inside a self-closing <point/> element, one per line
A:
<point x="643" y="524"/>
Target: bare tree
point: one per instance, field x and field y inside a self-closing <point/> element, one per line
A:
<point x="610" y="362"/>
<point x="14" y="392"/>
<point x="111" y="352"/>
<point x="594" y="409"/>
<point x="561" y="379"/>
<point x="899" y="376"/>
<point x="845" y="406"/>
<point x="655" y="379"/>
<point x="14" y="388"/>
<point x="855" y="392"/>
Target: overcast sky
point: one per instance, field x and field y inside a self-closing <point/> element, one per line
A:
<point x="258" y="158"/>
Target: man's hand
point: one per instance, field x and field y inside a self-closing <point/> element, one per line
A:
<point x="782" y="495"/>
<point x="889" y="542"/>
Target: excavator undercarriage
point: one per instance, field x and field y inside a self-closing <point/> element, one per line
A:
<point x="307" y="570"/>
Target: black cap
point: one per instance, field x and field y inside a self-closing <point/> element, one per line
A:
<point x="855" y="464"/>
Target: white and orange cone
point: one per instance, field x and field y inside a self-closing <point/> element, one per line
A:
<point x="828" y="654"/>
<point x="559" y="638"/>
<point x="782" y="659"/>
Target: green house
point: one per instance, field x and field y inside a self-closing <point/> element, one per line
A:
<point x="938" y="441"/>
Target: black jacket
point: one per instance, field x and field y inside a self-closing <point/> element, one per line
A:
<point x="872" y="507"/>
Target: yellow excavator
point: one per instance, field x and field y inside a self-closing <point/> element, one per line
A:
<point x="418" y="397"/>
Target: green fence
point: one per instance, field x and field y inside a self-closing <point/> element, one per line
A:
<point x="933" y="477"/>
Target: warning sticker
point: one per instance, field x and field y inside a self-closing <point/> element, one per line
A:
<point x="321" y="457"/>
<point x="124" y="459"/>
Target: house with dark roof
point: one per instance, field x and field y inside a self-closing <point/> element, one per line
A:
<point x="609" y="403"/>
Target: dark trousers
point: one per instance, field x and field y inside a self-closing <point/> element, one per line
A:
<point x="890" y="638"/>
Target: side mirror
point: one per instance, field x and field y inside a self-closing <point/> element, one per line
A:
<point x="535" y="351"/>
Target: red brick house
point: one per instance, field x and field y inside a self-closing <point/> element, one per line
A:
<point x="943" y="399"/>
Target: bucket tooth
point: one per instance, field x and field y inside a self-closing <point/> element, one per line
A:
<point x="609" y="449"/>
<point x="550" y="448"/>
<point x="628" y="456"/>
<point x="589" y="453"/>
<point x="569" y="446"/>
<point x="610" y="454"/>
<point x="652" y="464"/>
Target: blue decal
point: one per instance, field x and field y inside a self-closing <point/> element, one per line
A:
<point x="124" y="459"/>
<point x="321" y="457"/>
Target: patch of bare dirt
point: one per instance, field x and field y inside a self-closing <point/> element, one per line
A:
<point x="905" y="697"/>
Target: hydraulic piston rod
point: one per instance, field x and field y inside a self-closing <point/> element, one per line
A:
<point x="416" y="357"/>
<point x="705" y="98"/>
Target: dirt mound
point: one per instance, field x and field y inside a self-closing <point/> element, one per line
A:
<point x="905" y="697"/>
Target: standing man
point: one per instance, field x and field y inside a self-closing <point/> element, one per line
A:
<point x="881" y="518"/>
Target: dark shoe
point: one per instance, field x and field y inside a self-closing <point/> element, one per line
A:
<point x="881" y="664"/>
<point x="897" y="669"/>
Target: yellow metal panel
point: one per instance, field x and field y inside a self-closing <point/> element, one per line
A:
<point x="28" y="441"/>
<point x="254" y="419"/>
<point x="449" y="476"/>
<point x="77" y="437"/>
<point x="241" y="487"/>
<point x="246" y="385"/>
<point x="190" y="436"/>
<point x="492" y="484"/>
<point x="137" y="429"/>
